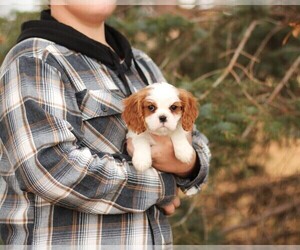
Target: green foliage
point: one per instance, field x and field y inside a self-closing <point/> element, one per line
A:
<point x="193" y="231"/>
<point x="10" y="30"/>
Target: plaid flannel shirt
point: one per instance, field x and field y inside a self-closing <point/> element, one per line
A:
<point x="63" y="176"/>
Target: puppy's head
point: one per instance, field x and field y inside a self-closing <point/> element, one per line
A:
<point x="159" y="108"/>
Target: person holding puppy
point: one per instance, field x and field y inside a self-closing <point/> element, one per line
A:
<point x="66" y="177"/>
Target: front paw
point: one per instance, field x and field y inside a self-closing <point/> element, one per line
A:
<point x="141" y="162"/>
<point x="184" y="153"/>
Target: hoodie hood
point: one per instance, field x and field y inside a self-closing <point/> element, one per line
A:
<point x="118" y="60"/>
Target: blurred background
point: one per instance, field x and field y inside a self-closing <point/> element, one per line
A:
<point x="243" y="65"/>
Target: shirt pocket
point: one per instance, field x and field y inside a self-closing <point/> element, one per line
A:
<point x="103" y="127"/>
<point x="99" y="103"/>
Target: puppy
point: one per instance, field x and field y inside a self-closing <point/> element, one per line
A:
<point x="164" y="110"/>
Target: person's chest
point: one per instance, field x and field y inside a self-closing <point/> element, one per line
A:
<point x="99" y="95"/>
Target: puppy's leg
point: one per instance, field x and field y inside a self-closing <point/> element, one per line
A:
<point x="141" y="158"/>
<point x="182" y="148"/>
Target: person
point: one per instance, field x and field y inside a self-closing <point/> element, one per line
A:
<point x="66" y="176"/>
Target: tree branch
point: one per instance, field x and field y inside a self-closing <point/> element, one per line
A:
<point x="262" y="46"/>
<point x="276" y="91"/>
<point x="271" y="212"/>
<point x="284" y="80"/>
<point x="234" y="59"/>
<point x="189" y="212"/>
<point x="245" y="92"/>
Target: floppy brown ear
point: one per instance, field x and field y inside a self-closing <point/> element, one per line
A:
<point x="133" y="112"/>
<point x="189" y="109"/>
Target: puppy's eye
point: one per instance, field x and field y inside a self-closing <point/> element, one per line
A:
<point x="173" y="107"/>
<point x="151" y="108"/>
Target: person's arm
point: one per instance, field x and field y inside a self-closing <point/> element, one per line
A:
<point x="189" y="176"/>
<point x="192" y="183"/>
<point x="38" y="115"/>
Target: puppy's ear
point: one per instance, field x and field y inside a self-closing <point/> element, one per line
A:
<point x="189" y="109"/>
<point x="133" y="112"/>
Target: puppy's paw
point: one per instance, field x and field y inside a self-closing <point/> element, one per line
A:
<point x="184" y="153"/>
<point x="141" y="162"/>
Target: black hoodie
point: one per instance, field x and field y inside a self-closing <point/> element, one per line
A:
<point x="51" y="29"/>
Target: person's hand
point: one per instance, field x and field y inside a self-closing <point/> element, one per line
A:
<point x="163" y="156"/>
<point x="170" y="208"/>
<point x="164" y="159"/>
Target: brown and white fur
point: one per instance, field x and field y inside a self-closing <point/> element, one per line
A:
<point x="159" y="109"/>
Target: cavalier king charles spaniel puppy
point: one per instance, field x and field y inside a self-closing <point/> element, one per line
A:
<point x="159" y="109"/>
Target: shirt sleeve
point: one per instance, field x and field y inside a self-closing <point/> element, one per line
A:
<point x="191" y="186"/>
<point x="37" y="128"/>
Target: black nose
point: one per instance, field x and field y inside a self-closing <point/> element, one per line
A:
<point x="162" y="118"/>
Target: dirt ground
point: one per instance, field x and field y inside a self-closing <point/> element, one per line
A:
<point x="280" y="161"/>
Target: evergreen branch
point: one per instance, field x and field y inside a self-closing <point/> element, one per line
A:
<point x="207" y="75"/>
<point x="269" y="213"/>
<point x="284" y="80"/>
<point x="250" y="187"/>
<point x="184" y="55"/>
<point x="245" y="92"/>
<point x="189" y="212"/>
<point x="234" y="59"/>
<point x="274" y="94"/>
<point x="244" y="53"/>
<point x="249" y="128"/>
<point x="262" y="45"/>
<point x="204" y="19"/>
<point x="248" y="74"/>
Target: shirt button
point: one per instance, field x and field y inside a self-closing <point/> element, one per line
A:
<point x="104" y="108"/>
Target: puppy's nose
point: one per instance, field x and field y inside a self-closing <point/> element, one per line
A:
<point x="162" y="118"/>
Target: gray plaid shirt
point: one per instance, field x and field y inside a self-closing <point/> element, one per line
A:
<point x="63" y="178"/>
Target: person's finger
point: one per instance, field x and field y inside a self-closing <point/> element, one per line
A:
<point x="176" y="202"/>
<point x="169" y="209"/>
